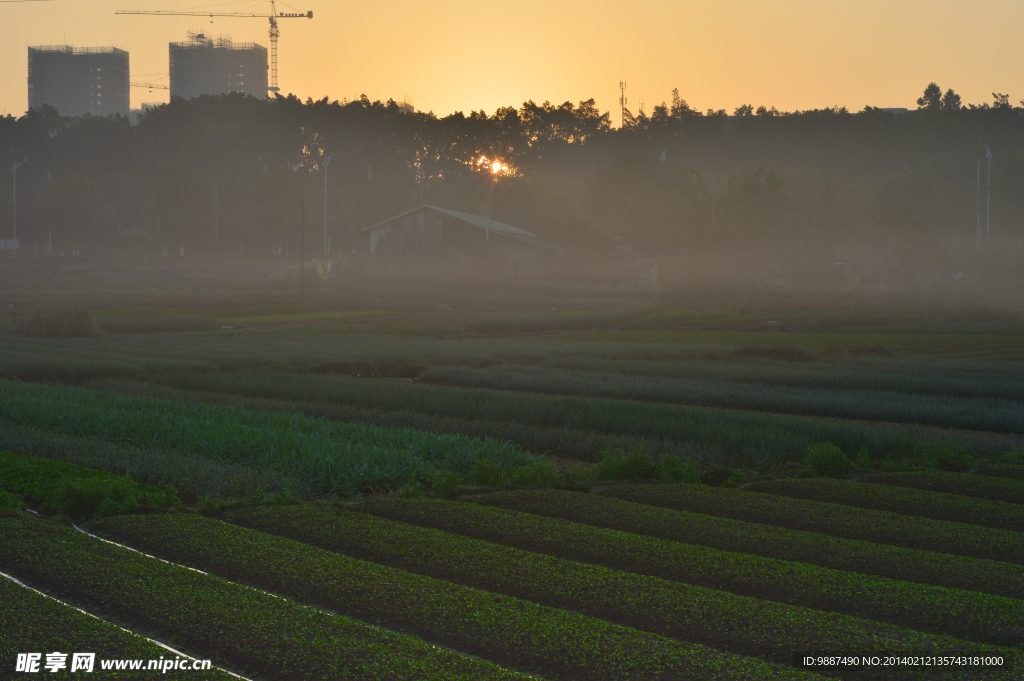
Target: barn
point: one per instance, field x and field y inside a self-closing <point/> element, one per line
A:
<point x="429" y="243"/>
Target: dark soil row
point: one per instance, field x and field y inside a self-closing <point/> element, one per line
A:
<point x="985" y="486"/>
<point x="902" y="500"/>
<point x="880" y="527"/>
<point x="1002" y="471"/>
<point x="250" y="631"/>
<point x="910" y="565"/>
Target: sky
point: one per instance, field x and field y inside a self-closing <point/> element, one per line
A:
<point x="463" y="55"/>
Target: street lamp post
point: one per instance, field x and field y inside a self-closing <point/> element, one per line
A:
<point x="14" y="203"/>
<point x="326" y="163"/>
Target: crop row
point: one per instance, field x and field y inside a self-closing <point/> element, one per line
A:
<point x="946" y="345"/>
<point x="75" y="490"/>
<point x="188" y="473"/>
<point x="910" y="376"/>
<point x="970" y="413"/>
<point x="902" y="500"/>
<point x="702" y="431"/>
<point x="519" y="634"/>
<point x="736" y="623"/>
<point x="982" y="486"/>
<point x="213" y="618"/>
<point x="909" y="565"/>
<point x="964" y="614"/>
<point x="45" y="626"/>
<point x="336" y="458"/>
<point x="1006" y="471"/>
<point x="9" y="501"/>
<point x="881" y="527"/>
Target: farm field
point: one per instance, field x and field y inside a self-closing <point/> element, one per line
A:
<point x="405" y="490"/>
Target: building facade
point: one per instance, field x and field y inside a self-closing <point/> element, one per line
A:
<point x="204" y="65"/>
<point x="79" y="80"/>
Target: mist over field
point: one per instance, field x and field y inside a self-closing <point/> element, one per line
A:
<point x="679" y="203"/>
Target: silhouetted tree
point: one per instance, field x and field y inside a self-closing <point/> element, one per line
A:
<point x="931" y="100"/>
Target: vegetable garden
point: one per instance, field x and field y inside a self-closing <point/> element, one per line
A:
<point x="311" y="495"/>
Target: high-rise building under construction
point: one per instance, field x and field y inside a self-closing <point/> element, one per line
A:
<point x="204" y="65"/>
<point x="79" y="80"/>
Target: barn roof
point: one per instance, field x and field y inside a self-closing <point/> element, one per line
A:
<point x="482" y="223"/>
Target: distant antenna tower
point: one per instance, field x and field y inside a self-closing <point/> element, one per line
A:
<point x="622" y="101"/>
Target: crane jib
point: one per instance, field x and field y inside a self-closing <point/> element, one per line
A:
<point x="274" y="31"/>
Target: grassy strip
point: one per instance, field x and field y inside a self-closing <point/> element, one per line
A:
<point x="970" y="413"/>
<point x="903" y="500"/>
<point x="46" y="626"/>
<point x="251" y="631"/>
<point x="336" y="458"/>
<point x="964" y="614"/>
<point x="980" y="486"/>
<point x="191" y="474"/>
<point x="511" y="632"/>
<point x="77" y="491"/>
<point x="909" y="565"/>
<point x="880" y="527"/>
<point x="736" y="623"/>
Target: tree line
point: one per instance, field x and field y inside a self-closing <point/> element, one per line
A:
<point x="222" y="175"/>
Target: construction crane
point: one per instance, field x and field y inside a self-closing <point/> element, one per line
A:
<point x="274" y="31"/>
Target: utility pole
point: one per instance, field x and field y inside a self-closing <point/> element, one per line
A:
<point x="326" y="163"/>
<point x="14" y="203"/>
<point x="622" y="101"/>
<point x="302" y="249"/>
<point x="988" y="196"/>
<point x="977" y="203"/>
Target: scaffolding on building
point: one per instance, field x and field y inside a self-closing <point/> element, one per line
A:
<point x="79" y="80"/>
<point x="212" y="65"/>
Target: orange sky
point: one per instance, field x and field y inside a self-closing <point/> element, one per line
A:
<point x="463" y="55"/>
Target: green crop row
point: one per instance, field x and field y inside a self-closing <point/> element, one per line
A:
<point x="698" y="431"/>
<point x="514" y="633"/>
<point x="953" y="612"/>
<point x="46" y="626"/>
<point x="754" y="627"/>
<point x="970" y="413"/>
<point x="10" y="503"/>
<point x="903" y="500"/>
<point x="707" y="361"/>
<point x="909" y="565"/>
<point x="880" y="527"/>
<point x="566" y="442"/>
<point x="337" y="458"/>
<point x="189" y="473"/>
<point x="77" y="491"/>
<point x="980" y="486"/>
<point x="249" y="630"/>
